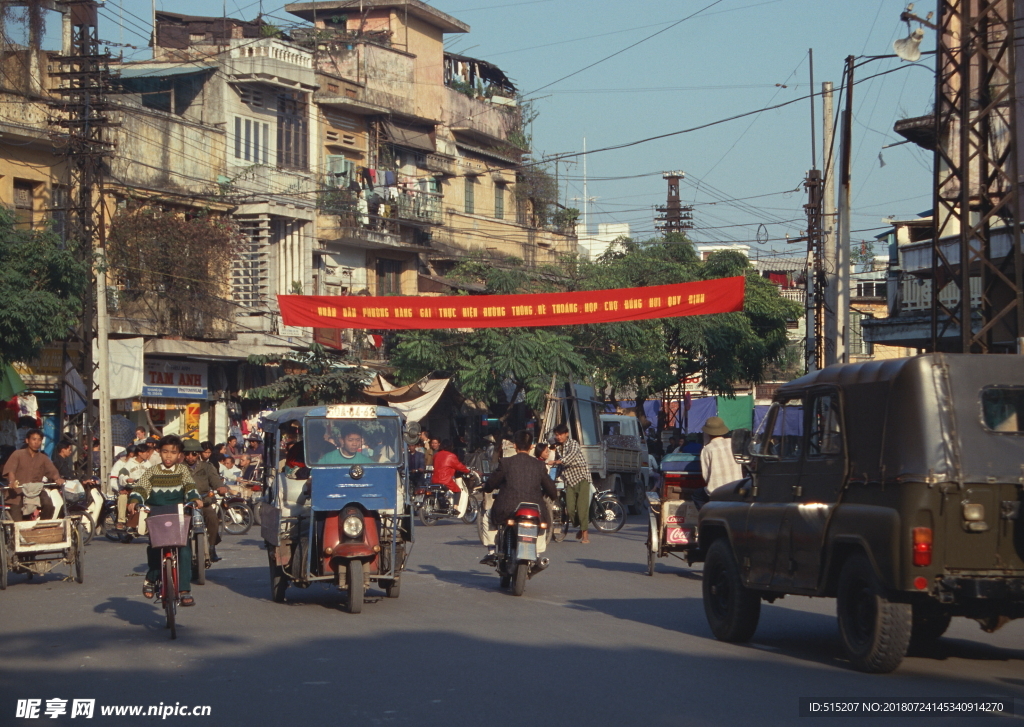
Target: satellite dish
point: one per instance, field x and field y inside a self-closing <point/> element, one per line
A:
<point x="909" y="48"/>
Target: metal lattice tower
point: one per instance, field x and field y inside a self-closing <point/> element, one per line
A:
<point x="977" y="189"/>
<point x="673" y="217"/>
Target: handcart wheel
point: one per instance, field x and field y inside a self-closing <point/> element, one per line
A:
<point x="651" y="553"/>
<point x="78" y="554"/>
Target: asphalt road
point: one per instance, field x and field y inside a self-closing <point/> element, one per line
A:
<point x="593" y="641"/>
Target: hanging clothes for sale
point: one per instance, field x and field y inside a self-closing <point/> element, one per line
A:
<point x="389" y="178"/>
<point x="373" y="176"/>
<point x="367" y="179"/>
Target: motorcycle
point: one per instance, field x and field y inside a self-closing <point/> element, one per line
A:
<point x="516" y="552"/>
<point x="434" y="502"/>
<point x="85" y="500"/>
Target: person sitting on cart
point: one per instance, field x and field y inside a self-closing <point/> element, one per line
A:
<point x="208" y="483"/>
<point x="168" y="483"/>
<point x="29" y="464"/>
<point x="350" y="446"/>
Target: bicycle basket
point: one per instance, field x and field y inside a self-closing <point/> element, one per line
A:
<point x="168" y="531"/>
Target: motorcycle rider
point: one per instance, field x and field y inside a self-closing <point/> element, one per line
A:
<point x="519" y="478"/>
<point x="208" y="481"/>
<point x="446" y="464"/>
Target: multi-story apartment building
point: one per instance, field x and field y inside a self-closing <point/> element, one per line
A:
<point x="354" y="155"/>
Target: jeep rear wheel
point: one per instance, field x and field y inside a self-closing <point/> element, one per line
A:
<point x="732" y="609"/>
<point x="875" y="631"/>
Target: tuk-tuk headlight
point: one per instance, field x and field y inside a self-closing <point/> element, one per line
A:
<point x="353" y="526"/>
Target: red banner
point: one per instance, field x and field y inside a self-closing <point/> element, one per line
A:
<point x="724" y="295"/>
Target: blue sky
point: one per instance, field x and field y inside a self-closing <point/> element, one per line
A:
<point x="731" y="57"/>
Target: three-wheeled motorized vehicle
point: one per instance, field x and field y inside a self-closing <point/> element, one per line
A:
<point x="672" y="528"/>
<point x="336" y="504"/>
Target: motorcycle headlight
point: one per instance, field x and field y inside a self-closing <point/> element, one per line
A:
<point x="353" y="526"/>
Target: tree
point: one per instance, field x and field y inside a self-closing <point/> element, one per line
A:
<point x="484" y="361"/>
<point x="318" y="377"/>
<point x="42" y="285"/>
<point x="175" y="267"/>
<point x="646" y="357"/>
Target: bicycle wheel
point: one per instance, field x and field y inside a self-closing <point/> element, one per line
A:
<point x="169" y="592"/>
<point x="87" y="526"/>
<point x="199" y="557"/>
<point x="237" y="518"/>
<point x="607" y="514"/>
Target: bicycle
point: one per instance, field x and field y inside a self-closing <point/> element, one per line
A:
<point x="170" y="531"/>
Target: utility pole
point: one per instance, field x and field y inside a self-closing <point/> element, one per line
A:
<point x="85" y="83"/>
<point x="828" y="322"/>
<point x="843" y="243"/>
<point x="814" y="295"/>
<point x="673" y="217"/>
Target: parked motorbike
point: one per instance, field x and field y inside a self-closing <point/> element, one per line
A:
<point x="435" y="502"/>
<point x="516" y="550"/>
<point x="236" y="516"/>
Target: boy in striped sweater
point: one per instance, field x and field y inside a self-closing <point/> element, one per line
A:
<point x="168" y="483"/>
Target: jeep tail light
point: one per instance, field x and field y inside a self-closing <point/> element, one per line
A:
<point x="922" y="546"/>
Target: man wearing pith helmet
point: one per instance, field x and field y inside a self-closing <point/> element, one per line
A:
<point x="717" y="464"/>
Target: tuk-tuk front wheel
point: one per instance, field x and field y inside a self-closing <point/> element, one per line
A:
<point x="731" y="608"/>
<point x="393" y="588"/>
<point x="875" y="631"/>
<point x="354" y="578"/>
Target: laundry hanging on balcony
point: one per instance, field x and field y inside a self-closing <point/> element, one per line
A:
<point x="723" y="295"/>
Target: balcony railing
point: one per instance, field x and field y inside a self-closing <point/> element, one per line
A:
<point x="410" y="205"/>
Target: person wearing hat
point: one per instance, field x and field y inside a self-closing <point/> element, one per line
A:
<point x="717" y="464"/>
<point x="208" y="481"/>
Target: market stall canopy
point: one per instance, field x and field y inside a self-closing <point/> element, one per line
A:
<point x="414" y="401"/>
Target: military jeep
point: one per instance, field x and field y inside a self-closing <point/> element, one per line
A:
<point x="894" y="486"/>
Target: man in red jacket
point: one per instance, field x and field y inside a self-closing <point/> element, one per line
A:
<point x="446" y="464"/>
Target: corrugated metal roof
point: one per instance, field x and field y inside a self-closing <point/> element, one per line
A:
<point x="162" y="71"/>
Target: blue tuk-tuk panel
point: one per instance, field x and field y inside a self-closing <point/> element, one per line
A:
<point x="333" y="487"/>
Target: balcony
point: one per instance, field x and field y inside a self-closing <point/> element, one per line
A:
<point x="272" y="61"/>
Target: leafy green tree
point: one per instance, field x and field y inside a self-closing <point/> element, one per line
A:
<point x="318" y="377"/>
<point x="42" y="285"/>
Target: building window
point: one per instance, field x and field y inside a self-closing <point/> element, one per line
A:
<point x="470" y="195"/>
<point x="857" y="345"/>
<point x="292" y="131"/>
<point x="252" y="141"/>
<point x="251" y="97"/>
<point x="59" y="203"/>
<point x="499" y="201"/>
<point x="24" y="203"/>
<point x="389" y="276"/>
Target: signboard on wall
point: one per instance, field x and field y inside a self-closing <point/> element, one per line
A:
<point x="175" y="379"/>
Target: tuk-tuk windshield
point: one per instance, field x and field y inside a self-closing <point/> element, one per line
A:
<point x="353" y="441"/>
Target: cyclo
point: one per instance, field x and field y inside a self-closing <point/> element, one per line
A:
<point x="336" y="501"/>
<point x="35" y="547"/>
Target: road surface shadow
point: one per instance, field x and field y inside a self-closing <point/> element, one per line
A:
<point x="733" y="689"/>
<point x="465" y="578"/>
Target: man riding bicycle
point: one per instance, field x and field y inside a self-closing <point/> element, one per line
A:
<point x="168" y="483"/>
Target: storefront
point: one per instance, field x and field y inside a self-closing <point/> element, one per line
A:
<point x="175" y="398"/>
